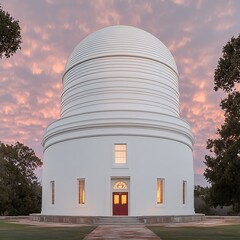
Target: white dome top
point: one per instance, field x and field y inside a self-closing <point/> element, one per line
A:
<point x="121" y="41"/>
<point x="120" y="68"/>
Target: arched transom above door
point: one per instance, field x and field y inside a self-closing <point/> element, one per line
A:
<point x="120" y="185"/>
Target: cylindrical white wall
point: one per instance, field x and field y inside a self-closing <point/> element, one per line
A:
<point x="92" y="159"/>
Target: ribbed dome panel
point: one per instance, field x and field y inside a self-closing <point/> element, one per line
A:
<point x="121" y="40"/>
<point x="120" y="84"/>
<point x="120" y="68"/>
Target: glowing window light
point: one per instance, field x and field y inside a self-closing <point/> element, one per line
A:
<point x="124" y="199"/>
<point x="116" y="199"/>
<point x="120" y="153"/>
<point x="81" y="191"/>
<point x="160" y="183"/>
<point x="52" y="192"/>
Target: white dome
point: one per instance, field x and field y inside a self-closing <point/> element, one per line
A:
<point x="121" y="41"/>
<point x="120" y="68"/>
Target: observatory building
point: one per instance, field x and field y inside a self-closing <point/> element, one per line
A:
<point x="119" y="147"/>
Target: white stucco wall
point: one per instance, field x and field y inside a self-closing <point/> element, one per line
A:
<point x="92" y="159"/>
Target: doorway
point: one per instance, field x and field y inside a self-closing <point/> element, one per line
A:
<point x="120" y="203"/>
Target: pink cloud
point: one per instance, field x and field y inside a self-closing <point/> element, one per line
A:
<point x="199" y="97"/>
<point x="181" y="2"/>
<point x="177" y="44"/>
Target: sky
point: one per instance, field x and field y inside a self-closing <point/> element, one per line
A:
<point x="31" y="81"/>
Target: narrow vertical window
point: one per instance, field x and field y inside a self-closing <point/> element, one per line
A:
<point x="184" y="189"/>
<point x="120" y="153"/>
<point x="52" y="192"/>
<point x="160" y="185"/>
<point x="81" y="191"/>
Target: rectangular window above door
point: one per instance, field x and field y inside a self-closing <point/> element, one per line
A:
<point x="120" y="154"/>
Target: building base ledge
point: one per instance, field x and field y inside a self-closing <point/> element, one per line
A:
<point x="99" y="220"/>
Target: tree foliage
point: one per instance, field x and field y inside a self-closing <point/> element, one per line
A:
<point x="20" y="191"/>
<point x="10" y="34"/>
<point x="223" y="166"/>
<point x="201" y="201"/>
<point x="227" y="73"/>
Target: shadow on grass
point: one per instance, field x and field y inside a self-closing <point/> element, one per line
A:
<point x="227" y="232"/>
<point x="11" y="231"/>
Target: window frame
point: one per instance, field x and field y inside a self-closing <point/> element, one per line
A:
<point x="116" y="164"/>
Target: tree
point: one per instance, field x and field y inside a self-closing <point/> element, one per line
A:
<point x="200" y="200"/>
<point x="10" y="34"/>
<point x="223" y="166"/>
<point x="20" y="191"/>
<point x="227" y="73"/>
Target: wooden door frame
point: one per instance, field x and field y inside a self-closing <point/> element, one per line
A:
<point x="114" y="180"/>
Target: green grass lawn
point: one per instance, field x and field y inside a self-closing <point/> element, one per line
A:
<point x="227" y="232"/>
<point x="11" y="231"/>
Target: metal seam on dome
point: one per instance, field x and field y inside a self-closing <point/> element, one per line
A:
<point x="121" y="55"/>
<point x="66" y="108"/>
<point x="90" y="82"/>
<point x="76" y="106"/>
<point x="97" y="91"/>
<point x="70" y="80"/>
<point x="83" y="73"/>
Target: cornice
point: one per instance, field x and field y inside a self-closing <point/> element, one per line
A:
<point x="114" y="127"/>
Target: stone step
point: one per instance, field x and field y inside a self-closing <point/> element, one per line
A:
<point x="118" y="220"/>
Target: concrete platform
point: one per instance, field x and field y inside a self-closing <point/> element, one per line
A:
<point x="100" y="220"/>
<point x="209" y="221"/>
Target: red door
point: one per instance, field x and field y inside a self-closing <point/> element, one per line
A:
<point x="120" y="203"/>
